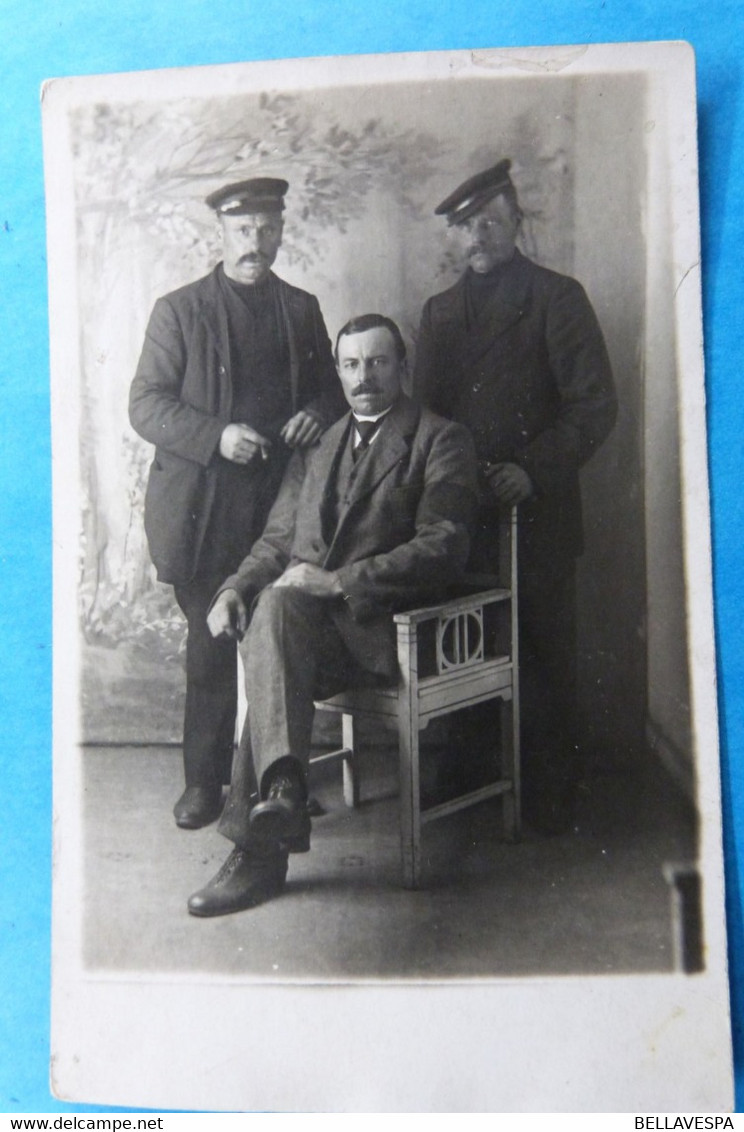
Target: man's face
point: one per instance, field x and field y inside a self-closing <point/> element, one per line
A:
<point x="488" y="238"/>
<point x="370" y="371"/>
<point x="249" y="245"/>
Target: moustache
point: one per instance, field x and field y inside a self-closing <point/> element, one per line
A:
<point x="364" y="388"/>
<point x="252" y="257"/>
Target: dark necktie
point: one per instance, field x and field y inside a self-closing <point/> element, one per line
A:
<point x="366" y="430"/>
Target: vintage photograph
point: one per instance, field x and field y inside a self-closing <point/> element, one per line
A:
<point x="382" y="613"/>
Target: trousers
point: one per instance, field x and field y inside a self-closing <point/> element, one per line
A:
<point x="211" y="689"/>
<point x="547" y="666"/>
<point x="293" y="654"/>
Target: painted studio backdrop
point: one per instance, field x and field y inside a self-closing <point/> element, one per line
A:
<point x="366" y="167"/>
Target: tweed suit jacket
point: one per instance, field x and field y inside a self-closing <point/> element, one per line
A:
<point x="402" y="534"/>
<point x="181" y="400"/>
<point x="532" y="381"/>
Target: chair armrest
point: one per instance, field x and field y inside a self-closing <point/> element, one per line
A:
<point x="451" y="608"/>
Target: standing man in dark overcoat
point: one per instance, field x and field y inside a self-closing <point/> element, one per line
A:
<point x="235" y="372"/>
<point x="514" y="351"/>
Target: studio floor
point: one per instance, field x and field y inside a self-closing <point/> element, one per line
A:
<point x="593" y="901"/>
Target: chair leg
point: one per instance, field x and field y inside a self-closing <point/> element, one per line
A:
<point x="510" y="769"/>
<point x="350" y="770"/>
<point x="410" y="800"/>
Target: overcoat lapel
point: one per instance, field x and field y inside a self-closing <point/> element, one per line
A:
<point x="214" y="314"/>
<point x="215" y="317"/>
<point x="506" y="305"/>
<point x="290" y="306"/>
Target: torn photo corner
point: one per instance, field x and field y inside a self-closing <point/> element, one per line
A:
<point x="529" y="221"/>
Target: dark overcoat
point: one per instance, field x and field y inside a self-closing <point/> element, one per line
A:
<point x="531" y="379"/>
<point x="402" y="532"/>
<point x="181" y="400"/>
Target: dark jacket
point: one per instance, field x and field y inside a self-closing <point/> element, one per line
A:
<point x="181" y="400"/>
<point x="532" y="382"/>
<point x="402" y="534"/>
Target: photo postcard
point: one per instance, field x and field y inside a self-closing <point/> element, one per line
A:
<point x="386" y="771"/>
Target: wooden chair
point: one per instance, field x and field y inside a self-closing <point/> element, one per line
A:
<point x="461" y="652"/>
<point x="450" y="656"/>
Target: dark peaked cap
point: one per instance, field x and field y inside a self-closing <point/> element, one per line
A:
<point x="261" y="194"/>
<point x="475" y="192"/>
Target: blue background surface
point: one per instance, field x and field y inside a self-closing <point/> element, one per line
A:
<point x="75" y="37"/>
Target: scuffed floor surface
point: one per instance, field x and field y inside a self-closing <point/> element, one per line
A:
<point x="591" y="902"/>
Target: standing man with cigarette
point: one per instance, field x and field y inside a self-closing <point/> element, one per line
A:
<point x="235" y="372"/>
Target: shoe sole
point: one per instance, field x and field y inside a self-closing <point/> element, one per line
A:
<point x="275" y="825"/>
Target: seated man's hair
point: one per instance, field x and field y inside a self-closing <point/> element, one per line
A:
<point x="364" y="322"/>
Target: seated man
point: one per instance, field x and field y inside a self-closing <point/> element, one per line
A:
<point x="373" y="520"/>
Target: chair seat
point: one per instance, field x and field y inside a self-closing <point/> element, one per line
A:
<point x="437" y="695"/>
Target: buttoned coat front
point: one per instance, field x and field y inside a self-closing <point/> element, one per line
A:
<point x="181" y="400"/>
<point x="402" y="533"/>
<point x="532" y="381"/>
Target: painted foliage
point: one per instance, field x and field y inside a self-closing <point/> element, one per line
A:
<point x="366" y="168"/>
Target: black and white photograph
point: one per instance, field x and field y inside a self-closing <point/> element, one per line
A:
<point x="384" y="684"/>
